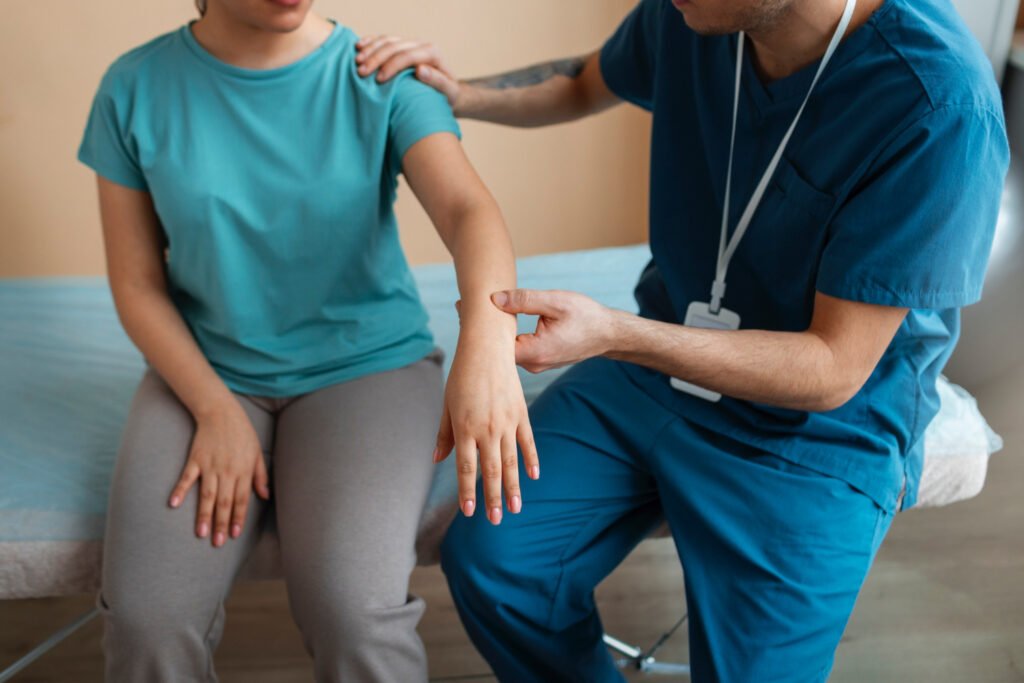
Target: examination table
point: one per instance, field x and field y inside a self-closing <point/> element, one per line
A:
<point x="68" y="372"/>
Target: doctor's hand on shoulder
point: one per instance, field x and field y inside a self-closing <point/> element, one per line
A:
<point x="388" y="55"/>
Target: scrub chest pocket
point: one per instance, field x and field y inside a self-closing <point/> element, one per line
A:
<point x="791" y="228"/>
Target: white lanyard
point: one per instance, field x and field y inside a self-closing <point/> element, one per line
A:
<point x="725" y="252"/>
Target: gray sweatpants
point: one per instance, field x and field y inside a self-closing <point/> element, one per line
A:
<point x="350" y="472"/>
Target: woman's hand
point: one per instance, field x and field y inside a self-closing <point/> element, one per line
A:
<point x="227" y="460"/>
<point x="388" y="55"/>
<point x="484" y="410"/>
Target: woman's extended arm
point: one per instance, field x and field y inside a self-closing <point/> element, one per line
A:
<point x="484" y="405"/>
<point x="225" y="452"/>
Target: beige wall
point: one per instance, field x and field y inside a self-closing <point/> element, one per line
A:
<point x="566" y="187"/>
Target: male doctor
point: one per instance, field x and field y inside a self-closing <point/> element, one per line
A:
<point x="825" y="182"/>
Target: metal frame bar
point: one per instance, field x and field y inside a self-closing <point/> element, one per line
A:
<point x="47" y="645"/>
<point x="634" y="656"/>
<point x="640" y="660"/>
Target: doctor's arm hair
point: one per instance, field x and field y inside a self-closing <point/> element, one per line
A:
<point x="570" y="67"/>
<point x="539" y="95"/>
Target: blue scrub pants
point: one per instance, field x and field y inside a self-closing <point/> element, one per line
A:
<point x="773" y="553"/>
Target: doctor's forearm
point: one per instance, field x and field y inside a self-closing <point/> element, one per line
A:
<point x="540" y="95"/>
<point x="796" y="370"/>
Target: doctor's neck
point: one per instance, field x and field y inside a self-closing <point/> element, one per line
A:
<point x="798" y="34"/>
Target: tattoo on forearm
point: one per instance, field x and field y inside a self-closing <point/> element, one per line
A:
<point x="532" y="75"/>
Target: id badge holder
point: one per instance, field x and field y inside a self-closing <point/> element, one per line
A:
<point x="699" y="315"/>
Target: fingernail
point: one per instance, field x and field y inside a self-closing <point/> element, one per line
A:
<point x="516" y="505"/>
<point x="203" y="530"/>
<point x="535" y="472"/>
<point x="500" y="298"/>
<point x="236" y="530"/>
<point x="437" y="454"/>
<point x="467" y="508"/>
<point x="494" y="515"/>
<point x="174" y="501"/>
<point x="424" y="72"/>
<point x="218" y="538"/>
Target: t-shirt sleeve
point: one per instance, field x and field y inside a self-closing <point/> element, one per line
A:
<point x="917" y="231"/>
<point x="417" y="110"/>
<point x="628" y="57"/>
<point x="106" y="146"/>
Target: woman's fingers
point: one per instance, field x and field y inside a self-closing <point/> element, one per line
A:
<point x="445" y="437"/>
<point x="207" y="499"/>
<point x="222" y="515"/>
<point x="465" y="459"/>
<point x="188" y="478"/>
<point x="242" y="493"/>
<point x="490" y="472"/>
<point x="510" y="474"/>
<point x="260" y="479"/>
<point x="524" y="434"/>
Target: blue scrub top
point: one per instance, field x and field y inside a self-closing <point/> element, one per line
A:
<point x="888" y="193"/>
<point x="275" y="190"/>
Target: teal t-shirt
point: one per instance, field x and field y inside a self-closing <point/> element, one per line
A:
<point x="275" y="189"/>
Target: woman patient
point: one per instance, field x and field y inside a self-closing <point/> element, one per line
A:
<point x="246" y="179"/>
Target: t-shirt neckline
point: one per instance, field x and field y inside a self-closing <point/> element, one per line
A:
<point x="794" y="86"/>
<point x="220" y="65"/>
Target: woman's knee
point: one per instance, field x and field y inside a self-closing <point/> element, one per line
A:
<point x="353" y="613"/>
<point x="153" y="618"/>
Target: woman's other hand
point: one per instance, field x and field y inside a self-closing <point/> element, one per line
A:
<point x="226" y="460"/>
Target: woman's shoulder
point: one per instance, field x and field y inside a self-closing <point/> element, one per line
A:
<point x="368" y="87"/>
<point x="152" y="55"/>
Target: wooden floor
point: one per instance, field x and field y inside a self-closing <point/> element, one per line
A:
<point x="944" y="602"/>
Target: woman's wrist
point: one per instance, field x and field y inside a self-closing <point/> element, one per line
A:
<point x="488" y="334"/>
<point x="481" y="313"/>
<point x="214" y="407"/>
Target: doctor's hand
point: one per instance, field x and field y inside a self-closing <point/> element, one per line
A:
<point x="388" y="55"/>
<point x="571" y="328"/>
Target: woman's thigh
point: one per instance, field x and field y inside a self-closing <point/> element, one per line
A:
<point x="352" y="471"/>
<point x="151" y="549"/>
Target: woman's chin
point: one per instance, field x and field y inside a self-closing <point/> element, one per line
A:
<point x="283" y="16"/>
